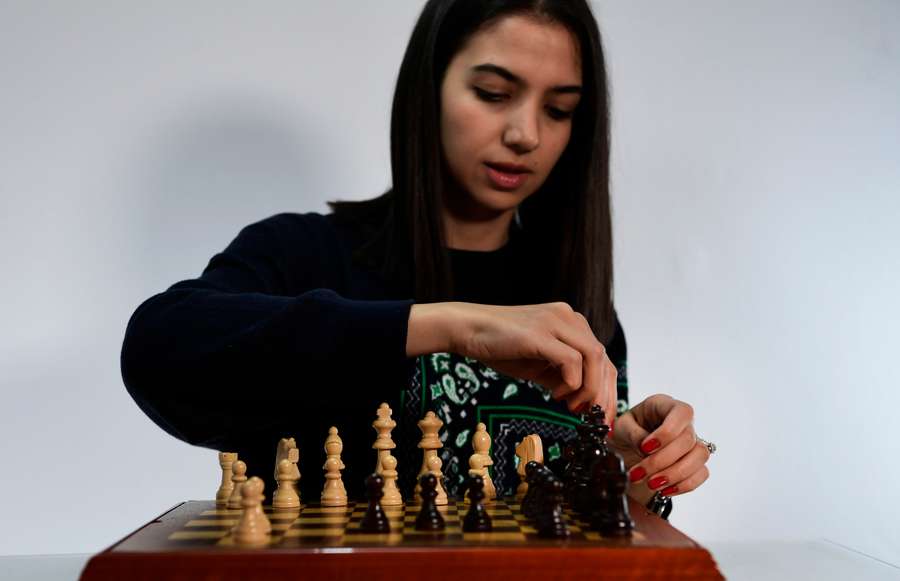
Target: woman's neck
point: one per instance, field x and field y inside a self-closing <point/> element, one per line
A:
<point x="482" y="235"/>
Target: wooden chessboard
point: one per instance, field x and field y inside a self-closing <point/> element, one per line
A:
<point x="193" y="541"/>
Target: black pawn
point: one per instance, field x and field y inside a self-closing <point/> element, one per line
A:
<point x="429" y="519"/>
<point x="477" y="520"/>
<point x="374" y="521"/>
<point x="549" y="520"/>
<point x="531" y="476"/>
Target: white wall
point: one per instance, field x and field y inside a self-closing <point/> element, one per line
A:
<point x="756" y="182"/>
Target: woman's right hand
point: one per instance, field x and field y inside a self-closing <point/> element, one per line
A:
<point x="549" y="344"/>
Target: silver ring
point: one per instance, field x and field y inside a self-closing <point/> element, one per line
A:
<point x="709" y="445"/>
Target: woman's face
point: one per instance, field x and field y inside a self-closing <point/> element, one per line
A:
<point x="507" y="98"/>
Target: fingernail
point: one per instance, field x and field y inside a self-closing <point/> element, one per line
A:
<point x="668" y="491"/>
<point x="637" y="474"/>
<point x="649" y="446"/>
<point x="657" y="482"/>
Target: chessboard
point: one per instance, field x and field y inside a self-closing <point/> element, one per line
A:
<point x="194" y="540"/>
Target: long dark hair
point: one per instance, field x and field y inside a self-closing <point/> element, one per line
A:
<point x="567" y="221"/>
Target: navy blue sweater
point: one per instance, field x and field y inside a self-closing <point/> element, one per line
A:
<point x="285" y="334"/>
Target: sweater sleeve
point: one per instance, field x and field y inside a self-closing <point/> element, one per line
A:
<point x="263" y="325"/>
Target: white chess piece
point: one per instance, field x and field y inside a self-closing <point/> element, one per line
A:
<point x="285" y="496"/>
<point x="481" y="443"/>
<point x="333" y="493"/>
<point x="383" y="424"/>
<point x="226" y="487"/>
<point x="434" y="467"/>
<point x="253" y="528"/>
<point x="392" y="496"/>
<point x="238" y="478"/>
<point x="430" y="443"/>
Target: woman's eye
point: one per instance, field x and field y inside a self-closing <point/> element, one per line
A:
<point x="488" y="96"/>
<point x="559" y="114"/>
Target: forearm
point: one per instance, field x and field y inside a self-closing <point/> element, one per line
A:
<point x="431" y="328"/>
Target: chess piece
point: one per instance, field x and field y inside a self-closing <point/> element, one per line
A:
<point x="434" y="468"/>
<point x="285" y="445"/>
<point x="430" y="443"/>
<point x="383" y="425"/>
<point x="530" y="448"/>
<point x="477" y="520"/>
<point x="238" y="478"/>
<point x="334" y="493"/>
<point x="429" y="519"/>
<point x="392" y="496"/>
<point x="477" y="468"/>
<point x="609" y="482"/>
<point x="374" y="521"/>
<point x="226" y="460"/>
<point x="549" y="520"/>
<point x="535" y="475"/>
<point x="590" y="448"/>
<point x="481" y="443"/>
<point x="285" y="497"/>
<point x="253" y="528"/>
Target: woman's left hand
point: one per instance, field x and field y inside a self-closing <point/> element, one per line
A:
<point x="656" y="439"/>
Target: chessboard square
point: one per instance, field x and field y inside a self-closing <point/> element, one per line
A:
<point x="196" y="535"/>
<point x="446" y="531"/>
<point x="391" y="538"/>
<point x="323" y="520"/>
<point x="219" y="522"/>
<point x="317" y="533"/>
<point x="221" y="512"/>
<point x="505" y="536"/>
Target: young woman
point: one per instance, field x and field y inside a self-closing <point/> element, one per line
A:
<point x="479" y="286"/>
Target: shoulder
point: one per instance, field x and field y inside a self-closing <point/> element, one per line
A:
<point x="291" y="233"/>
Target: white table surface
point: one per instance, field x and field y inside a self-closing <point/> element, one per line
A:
<point x="768" y="560"/>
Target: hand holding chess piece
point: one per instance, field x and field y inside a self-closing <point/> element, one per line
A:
<point x="651" y="452"/>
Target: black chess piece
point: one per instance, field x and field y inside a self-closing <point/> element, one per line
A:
<point x="477" y="520"/>
<point x="532" y="477"/>
<point x="609" y="481"/>
<point x="374" y="521"/>
<point x="549" y="519"/>
<point x="429" y="519"/>
<point x="590" y="450"/>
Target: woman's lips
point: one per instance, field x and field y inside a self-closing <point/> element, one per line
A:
<point x="504" y="180"/>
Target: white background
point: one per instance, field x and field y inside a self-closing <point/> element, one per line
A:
<point x="756" y="181"/>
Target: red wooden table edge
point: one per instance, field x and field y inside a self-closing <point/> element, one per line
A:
<point x="376" y="563"/>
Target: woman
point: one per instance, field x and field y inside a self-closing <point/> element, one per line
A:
<point x="479" y="286"/>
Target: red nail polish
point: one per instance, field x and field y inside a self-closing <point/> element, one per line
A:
<point x="637" y="474"/>
<point x="657" y="482"/>
<point x="669" y="491"/>
<point x="650" y="445"/>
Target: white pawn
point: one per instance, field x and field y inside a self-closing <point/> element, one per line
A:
<point x="334" y="493"/>
<point x="253" y="528"/>
<point x="392" y="496"/>
<point x="285" y="497"/>
<point x="239" y="477"/>
<point x="477" y="468"/>
<point x="434" y="467"/>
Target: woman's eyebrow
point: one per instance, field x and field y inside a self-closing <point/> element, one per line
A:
<point x="509" y="76"/>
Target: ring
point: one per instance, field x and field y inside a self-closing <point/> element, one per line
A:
<point x="709" y="445"/>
